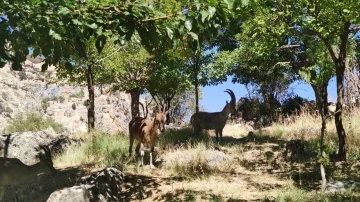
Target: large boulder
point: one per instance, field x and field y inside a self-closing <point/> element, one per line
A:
<point x="23" y="146"/>
<point x="104" y="185"/>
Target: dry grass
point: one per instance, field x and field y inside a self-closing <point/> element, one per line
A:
<point x="307" y="127"/>
<point x="245" y="168"/>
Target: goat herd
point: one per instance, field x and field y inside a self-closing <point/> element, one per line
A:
<point x="145" y="130"/>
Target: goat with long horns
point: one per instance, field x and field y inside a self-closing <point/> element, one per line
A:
<point x="214" y="120"/>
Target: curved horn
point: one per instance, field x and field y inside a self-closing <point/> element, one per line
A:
<point x="232" y="95"/>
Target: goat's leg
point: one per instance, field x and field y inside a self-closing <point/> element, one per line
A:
<point x="151" y="158"/>
<point x="131" y="144"/>
<point x="194" y="128"/>
<point x="140" y="148"/>
<point x="217" y="135"/>
<point x="138" y="154"/>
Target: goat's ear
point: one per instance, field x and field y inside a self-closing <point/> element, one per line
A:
<point x="166" y="112"/>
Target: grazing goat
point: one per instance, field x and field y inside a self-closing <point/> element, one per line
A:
<point x="14" y="172"/>
<point x="145" y="132"/>
<point x="214" y="120"/>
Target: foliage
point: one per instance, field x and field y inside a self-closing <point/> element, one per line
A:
<point x="32" y="121"/>
<point x="170" y="78"/>
<point x="36" y="25"/>
<point x="127" y="68"/>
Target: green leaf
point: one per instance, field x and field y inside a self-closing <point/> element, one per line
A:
<point x="197" y="4"/>
<point x="230" y="3"/>
<point x="194" y="36"/>
<point x="16" y="66"/>
<point x="204" y="14"/>
<point x="54" y="34"/>
<point x="76" y="22"/>
<point x="100" y="43"/>
<point x="188" y="25"/>
<point x="211" y="11"/>
<point x="64" y="10"/>
<point x="169" y="32"/>
<point x="182" y="17"/>
<point x="245" y="2"/>
<point x="51" y="32"/>
<point x="99" y="31"/>
<point x="346" y="10"/>
<point x="93" y="26"/>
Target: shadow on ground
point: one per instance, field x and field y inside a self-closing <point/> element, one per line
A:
<point x="40" y="188"/>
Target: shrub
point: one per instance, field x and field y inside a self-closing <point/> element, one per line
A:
<point x="32" y="121"/>
<point x="45" y="104"/>
<point x="79" y="94"/>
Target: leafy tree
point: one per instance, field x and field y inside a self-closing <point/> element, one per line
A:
<point x="58" y="30"/>
<point x="262" y="71"/>
<point x="303" y="25"/>
<point x="334" y="23"/>
<point x="170" y="79"/>
<point x="128" y="69"/>
<point x="50" y="27"/>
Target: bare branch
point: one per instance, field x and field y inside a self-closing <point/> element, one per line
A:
<point x="288" y="46"/>
<point x="329" y="47"/>
<point x="99" y="60"/>
<point x="159" y="18"/>
<point x="354" y="29"/>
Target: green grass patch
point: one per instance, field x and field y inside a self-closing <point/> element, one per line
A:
<point x="99" y="148"/>
<point x="32" y="121"/>
<point x="291" y="193"/>
<point x="171" y="136"/>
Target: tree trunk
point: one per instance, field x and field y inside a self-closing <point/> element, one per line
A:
<point x="91" y="106"/>
<point x="339" y="59"/>
<point x="322" y="106"/>
<point x="196" y="85"/>
<point x="321" y="96"/>
<point x="135" y="94"/>
<point x="167" y="107"/>
<point x="340" y="69"/>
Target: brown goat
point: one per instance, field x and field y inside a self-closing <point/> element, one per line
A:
<point x="145" y="132"/>
<point x="214" y="120"/>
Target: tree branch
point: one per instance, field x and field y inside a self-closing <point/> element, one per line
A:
<point x="99" y="60"/>
<point x="355" y="28"/>
<point x="329" y="47"/>
<point x="288" y="46"/>
<point x="159" y="18"/>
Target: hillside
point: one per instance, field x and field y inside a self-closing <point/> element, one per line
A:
<point x="31" y="90"/>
